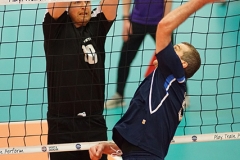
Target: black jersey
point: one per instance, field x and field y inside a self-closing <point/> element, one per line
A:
<point x="75" y="64"/>
<point x="156" y="108"/>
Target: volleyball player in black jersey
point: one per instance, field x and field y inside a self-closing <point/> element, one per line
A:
<point x="74" y="40"/>
<point x="146" y="129"/>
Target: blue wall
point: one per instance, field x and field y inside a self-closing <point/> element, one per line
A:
<point x="22" y="63"/>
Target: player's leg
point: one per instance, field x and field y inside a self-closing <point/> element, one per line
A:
<point x="128" y="53"/>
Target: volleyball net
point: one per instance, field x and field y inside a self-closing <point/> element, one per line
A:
<point x="214" y="109"/>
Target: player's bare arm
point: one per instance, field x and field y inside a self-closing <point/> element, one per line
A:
<point x="57" y="9"/>
<point x="109" y="8"/>
<point x="127" y="29"/>
<point x="172" y="20"/>
<point x="96" y="151"/>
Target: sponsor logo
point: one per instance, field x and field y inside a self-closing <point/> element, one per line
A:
<point x="44" y="149"/>
<point x="194" y="138"/>
<point x="11" y="151"/>
<point x="78" y="146"/>
<point x="53" y="148"/>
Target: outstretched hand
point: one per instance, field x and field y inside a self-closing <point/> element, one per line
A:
<point x="213" y="1"/>
<point x="96" y="152"/>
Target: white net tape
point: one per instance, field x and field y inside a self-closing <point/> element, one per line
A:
<point x="86" y="145"/>
<point x="48" y="148"/>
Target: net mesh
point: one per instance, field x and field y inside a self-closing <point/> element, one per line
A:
<point x="213" y="113"/>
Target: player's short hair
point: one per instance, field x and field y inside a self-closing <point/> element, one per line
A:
<point x="193" y="59"/>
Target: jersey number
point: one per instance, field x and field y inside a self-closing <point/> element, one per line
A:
<point x="90" y="54"/>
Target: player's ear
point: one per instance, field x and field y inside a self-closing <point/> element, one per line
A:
<point x="184" y="64"/>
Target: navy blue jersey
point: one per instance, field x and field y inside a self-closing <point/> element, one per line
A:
<point x="75" y="64"/>
<point x="156" y="108"/>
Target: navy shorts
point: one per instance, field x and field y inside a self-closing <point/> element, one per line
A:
<point x="140" y="155"/>
<point x="75" y="129"/>
<point x="132" y="152"/>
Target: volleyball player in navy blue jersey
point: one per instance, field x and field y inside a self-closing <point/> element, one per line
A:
<point x="146" y="129"/>
<point x="74" y="41"/>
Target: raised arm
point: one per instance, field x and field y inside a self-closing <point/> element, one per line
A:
<point x="173" y="19"/>
<point x="109" y="8"/>
<point x="57" y="9"/>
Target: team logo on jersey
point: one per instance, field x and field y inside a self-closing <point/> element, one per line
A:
<point x="90" y="55"/>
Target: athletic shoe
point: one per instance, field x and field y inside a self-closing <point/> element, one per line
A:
<point x="114" y="102"/>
